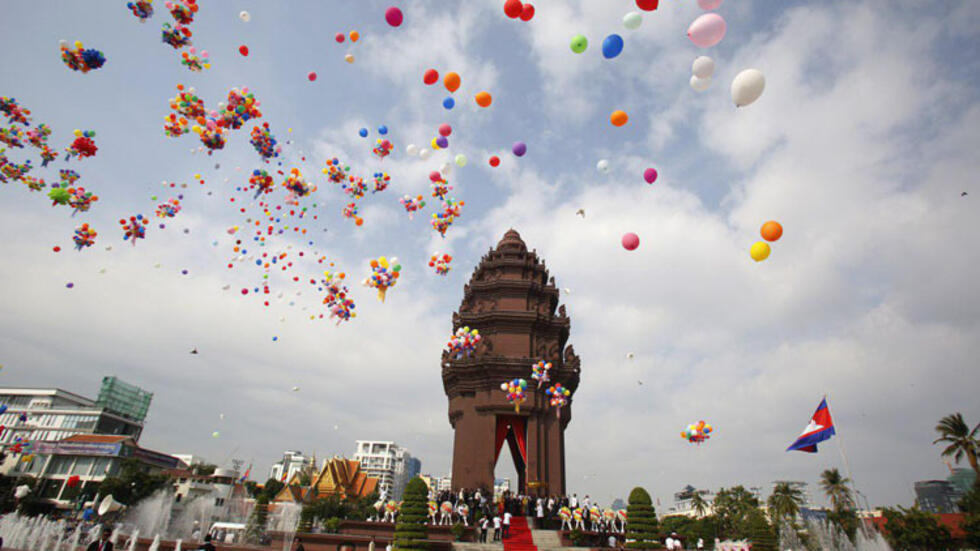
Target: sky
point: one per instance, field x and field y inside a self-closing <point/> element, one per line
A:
<point x="861" y="146"/>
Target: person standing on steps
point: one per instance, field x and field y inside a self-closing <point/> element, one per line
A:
<point x="539" y="513"/>
<point x="496" y="527"/>
<point x="484" y="525"/>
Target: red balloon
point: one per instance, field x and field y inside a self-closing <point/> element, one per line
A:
<point x="494" y="161"/>
<point x="527" y="13"/>
<point x="430" y="77"/>
<point x="339" y="37"/>
<point x="311" y="76"/>
<point x="631" y="241"/>
<point x="647" y="5"/>
<point x="243" y="50"/>
<point x="513" y="8"/>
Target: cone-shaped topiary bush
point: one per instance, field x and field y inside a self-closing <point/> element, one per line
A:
<point x="410" y="530"/>
<point x="641" y="521"/>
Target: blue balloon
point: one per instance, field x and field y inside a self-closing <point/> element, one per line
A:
<point x="382" y="130"/>
<point x="449" y="102"/>
<point x="363" y="132"/>
<point x="612" y="46"/>
<point x="442" y="142"/>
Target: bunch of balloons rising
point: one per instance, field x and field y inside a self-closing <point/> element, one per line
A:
<point x="516" y="390"/>
<point x="697" y="433"/>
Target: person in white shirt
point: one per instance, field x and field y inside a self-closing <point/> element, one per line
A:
<point x="388" y="547"/>
<point x="700" y="543"/>
<point x="496" y="528"/>
<point x="586" y="502"/>
<point x="507" y="516"/>
<point x="573" y="501"/>
<point x="669" y="543"/>
<point x="539" y="513"/>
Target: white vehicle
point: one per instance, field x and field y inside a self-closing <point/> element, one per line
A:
<point x="227" y="532"/>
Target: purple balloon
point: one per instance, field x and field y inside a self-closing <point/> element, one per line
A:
<point x="519" y="149"/>
<point x="650" y="175"/>
<point x="442" y="142"/>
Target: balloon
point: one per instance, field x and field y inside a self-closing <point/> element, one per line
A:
<point x="412" y="150"/>
<point x="703" y="67"/>
<point x="700" y="84"/>
<point x="632" y="20"/>
<point x="483" y="99"/>
<point x="451" y="82"/>
<point x="618" y="118"/>
<point x="460" y="160"/>
<point x="650" y="175"/>
<point x="647" y="5"/>
<point x="494" y="161"/>
<point x="394" y="16"/>
<point x="382" y="130"/>
<point x="602" y="166"/>
<point x="354" y="36"/>
<point x="709" y="4"/>
<point x="527" y="13"/>
<point x="519" y="149"/>
<point x="362" y="132"/>
<point x="445" y="129"/>
<point x="449" y="102"/>
<point x="445" y="168"/>
<point x="245" y="16"/>
<point x="707" y="30"/>
<point x="513" y="8"/>
<point x="430" y="77"/>
<point x="771" y="231"/>
<point x="243" y="50"/>
<point x="311" y="76"/>
<point x="339" y="37"/>
<point x="612" y="46"/>
<point x="349" y="58"/>
<point x="631" y="241"/>
<point x="747" y="87"/>
<point x="760" y="251"/>
<point x="424" y="153"/>
<point x="579" y="43"/>
<point x="443" y="142"/>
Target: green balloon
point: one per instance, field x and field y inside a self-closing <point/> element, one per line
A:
<point x="579" y="43"/>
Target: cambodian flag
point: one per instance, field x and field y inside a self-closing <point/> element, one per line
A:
<point x="821" y="428"/>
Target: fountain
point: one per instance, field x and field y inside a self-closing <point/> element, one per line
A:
<point x="829" y="537"/>
<point x="155" y="546"/>
<point x="152" y="515"/>
<point x="286" y="521"/>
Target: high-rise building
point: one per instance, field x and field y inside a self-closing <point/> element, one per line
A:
<point x="437" y="483"/>
<point x="51" y="415"/>
<point x="124" y="399"/>
<point x="408" y="468"/>
<point x="382" y="459"/>
<point x="936" y="496"/>
<point x="962" y="479"/>
<point x="292" y="462"/>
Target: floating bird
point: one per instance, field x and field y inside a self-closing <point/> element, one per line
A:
<point x="580" y="212"/>
<point x="963" y="194"/>
<point x="194" y="351"/>
<point x="629" y="355"/>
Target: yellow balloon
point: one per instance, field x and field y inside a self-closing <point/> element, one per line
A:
<point x="435" y="145"/>
<point x="196" y="129"/>
<point x="78" y="44"/>
<point x="383" y="261"/>
<point x="78" y="133"/>
<point x="760" y="251"/>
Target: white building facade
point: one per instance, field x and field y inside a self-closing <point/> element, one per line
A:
<point x="390" y="463"/>
<point x="291" y="463"/>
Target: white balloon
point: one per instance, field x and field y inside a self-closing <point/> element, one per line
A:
<point x="632" y="20"/>
<point x="747" y="87"/>
<point x="245" y="16"/>
<point x="424" y="153"/>
<point x="602" y="166"/>
<point x="700" y="84"/>
<point x="445" y="168"/>
<point x="412" y="150"/>
<point x="460" y="160"/>
<point x="703" y="67"/>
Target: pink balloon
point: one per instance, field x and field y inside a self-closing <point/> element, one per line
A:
<point x="394" y="16"/>
<point x="650" y="175"/>
<point x="311" y="76"/>
<point x="709" y="4"/>
<point x="707" y="30"/>
<point x="631" y="241"/>
<point x="445" y="129"/>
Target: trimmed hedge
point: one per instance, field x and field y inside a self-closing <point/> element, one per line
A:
<point x="641" y="521"/>
<point x="410" y="530"/>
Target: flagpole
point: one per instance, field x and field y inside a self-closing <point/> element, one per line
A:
<point x="847" y="465"/>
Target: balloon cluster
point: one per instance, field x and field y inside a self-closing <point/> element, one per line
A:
<point x="440" y="187"/>
<point x="350" y="212"/>
<point x="261" y="182"/>
<point x="697" y="433"/>
<point x="33" y="184"/>
<point x="384" y="275"/>
<point x="539" y="372"/>
<point x="381" y="181"/>
<point x="187" y="103"/>
<point x="558" y="396"/>
<point x="335" y="172"/>
<point x="463" y="342"/>
<point x="442" y="220"/>
<point x="194" y="62"/>
<point x="84" y="236"/>
<point x="354" y="187"/>
<point x="264" y="142"/>
<point x="412" y="204"/>
<point x="68" y="177"/>
<point x="515" y="9"/>
<point x="134" y="228"/>
<point x="771" y="231"/>
<point x="182" y="10"/>
<point x="81" y="59"/>
<point x="177" y="36"/>
<point x="15" y="113"/>
<point x="12" y="136"/>
<point x="142" y="9"/>
<point x="337" y="301"/>
<point x="516" y="390"/>
<point x="11" y="170"/>
<point x="240" y="108"/>
<point x="296" y="185"/>
<point x="382" y="148"/>
<point x="701" y="71"/>
<point x="168" y="209"/>
<point x="441" y="263"/>
<point x="174" y="126"/>
<point x="75" y="197"/>
<point x="38" y="136"/>
<point x="82" y="146"/>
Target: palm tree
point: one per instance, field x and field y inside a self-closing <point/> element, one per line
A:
<point x="954" y="431"/>
<point x="835" y="486"/>
<point x="784" y="503"/>
<point x="699" y="505"/>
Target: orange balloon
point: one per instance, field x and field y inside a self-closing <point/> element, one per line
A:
<point x="354" y="35"/>
<point x="451" y="81"/>
<point x="618" y="118"/>
<point x="483" y="99"/>
<point x="771" y="231"/>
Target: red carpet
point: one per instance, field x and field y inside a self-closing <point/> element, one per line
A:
<point x="520" y="536"/>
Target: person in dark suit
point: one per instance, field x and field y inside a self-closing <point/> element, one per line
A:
<point x="103" y="543"/>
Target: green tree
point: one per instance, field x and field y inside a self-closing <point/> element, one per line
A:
<point x="641" y="521"/>
<point x="961" y="441"/>
<point x="699" y="504"/>
<point x="914" y="529"/>
<point x="133" y="484"/>
<point x="757" y="529"/>
<point x="272" y="487"/>
<point x="732" y="506"/>
<point x="970" y="505"/>
<point x="785" y="503"/>
<point x="834" y="485"/>
<point x="258" y="520"/>
<point x="685" y="527"/>
<point x="410" y="530"/>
